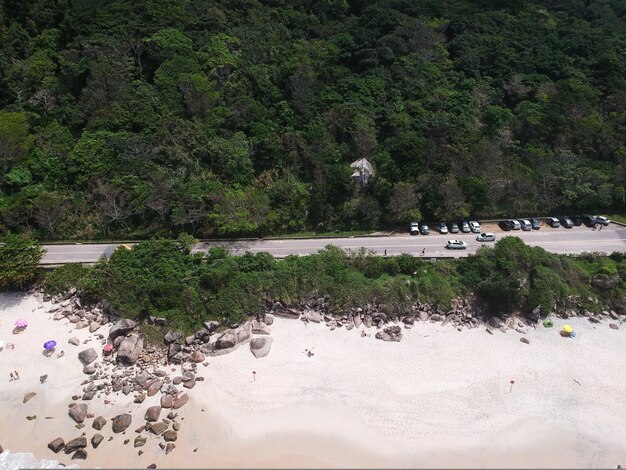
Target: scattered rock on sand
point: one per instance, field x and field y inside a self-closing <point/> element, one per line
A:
<point x="154" y="387"/>
<point x="56" y="445"/>
<point x="180" y="401"/>
<point x="28" y="396"/>
<point x="121" y="328"/>
<point x="169" y="447"/>
<point x="613" y="326"/>
<point x="524" y="340"/>
<point x="391" y="333"/>
<point x="43" y="378"/>
<point x="75" y="444"/>
<point x="170" y="435"/>
<point x="74" y="341"/>
<point x="80" y="454"/>
<point x="96" y="440"/>
<point x="121" y="422"/>
<point x="139" y="441"/>
<point x="167" y="401"/>
<point x="78" y="412"/>
<point x="99" y="423"/>
<point x="197" y="356"/>
<point x="260" y="347"/>
<point x="89" y="370"/>
<point x="88" y="356"/>
<point x="153" y="413"/>
<point x="158" y="428"/>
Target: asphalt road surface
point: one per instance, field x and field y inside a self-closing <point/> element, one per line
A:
<point x="566" y="241"/>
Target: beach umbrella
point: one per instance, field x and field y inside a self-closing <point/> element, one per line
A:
<point x="49" y="345"/>
<point x="21" y="323"/>
<point x="108" y="347"/>
<point x="568" y="329"/>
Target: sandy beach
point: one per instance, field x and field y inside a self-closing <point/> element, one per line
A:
<point x="439" y="398"/>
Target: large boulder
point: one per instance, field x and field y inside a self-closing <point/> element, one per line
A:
<point x="260" y="328"/>
<point x="243" y="332"/>
<point x="211" y="325"/>
<point x="56" y="445"/>
<point x="227" y="340"/>
<point x="130" y="350"/>
<point x="312" y="316"/>
<point x="172" y="336"/>
<point x="605" y="281"/>
<point x="121" y="422"/>
<point x="88" y="356"/>
<point x="391" y="333"/>
<point x="154" y="386"/>
<point x="260" y="347"/>
<point x="78" y="412"/>
<point x="197" y="356"/>
<point x="180" y="401"/>
<point x="96" y="440"/>
<point x="99" y="423"/>
<point x="122" y="328"/>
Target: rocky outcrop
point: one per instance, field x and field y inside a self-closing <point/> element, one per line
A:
<point x="130" y="350"/>
<point x="230" y="338"/>
<point x="260" y="328"/>
<point x="260" y="347"/>
<point x="605" y="281"/>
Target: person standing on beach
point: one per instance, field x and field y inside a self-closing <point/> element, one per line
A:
<point x="12" y="378"/>
<point x="17" y="375"/>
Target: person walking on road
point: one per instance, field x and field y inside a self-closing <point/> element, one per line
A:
<point x="423" y="251"/>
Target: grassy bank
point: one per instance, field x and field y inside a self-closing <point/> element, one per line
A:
<point x="162" y="278"/>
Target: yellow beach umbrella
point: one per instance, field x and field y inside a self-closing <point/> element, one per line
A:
<point x="568" y="329"/>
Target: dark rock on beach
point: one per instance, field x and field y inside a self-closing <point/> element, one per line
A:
<point x="56" y="445"/>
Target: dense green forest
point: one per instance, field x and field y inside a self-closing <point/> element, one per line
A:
<point x="134" y="118"/>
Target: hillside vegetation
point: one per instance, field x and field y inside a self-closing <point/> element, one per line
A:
<point x="135" y="118"/>
<point x="162" y="278"/>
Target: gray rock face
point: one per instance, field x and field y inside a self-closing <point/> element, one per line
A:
<point x="268" y="319"/>
<point x="153" y="413"/>
<point x="173" y="349"/>
<point x="172" y="336"/>
<point x="260" y="328"/>
<point x="121" y="422"/>
<point x="313" y="316"/>
<point x="78" y="412"/>
<point x="96" y="440"/>
<point x="99" y="423"/>
<point x="392" y="333"/>
<point x="604" y="281"/>
<point x="226" y="341"/>
<point x="88" y="356"/>
<point x="495" y="322"/>
<point x="260" y="347"/>
<point x="211" y="325"/>
<point x="121" y="328"/>
<point x="130" y="350"/>
<point x="56" y="445"/>
<point x="75" y="444"/>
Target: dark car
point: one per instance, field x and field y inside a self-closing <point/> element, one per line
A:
<point x="588" y="220"/>
<point x="566" y="222"/>
<point x="424" y="230"/>
<point x="506" y="225"/>
<point x="536" y="223"/>
<point x="454" y="227"/>
<point x="553" y="222"/>
<point x="577" y="220"/>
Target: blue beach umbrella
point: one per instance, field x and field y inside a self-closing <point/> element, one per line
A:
<point x="49" y="345"/>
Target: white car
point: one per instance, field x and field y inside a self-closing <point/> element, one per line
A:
<point x="516" y="224"/>
<point x="525" y="224"/>
<point x="486" y="237"/>
<point x="456" y="245"/>
<point x="602" y="220"/>
<point x="474" y="226"/>
<point x="414" y="228"/>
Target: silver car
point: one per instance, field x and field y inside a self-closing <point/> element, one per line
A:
<point x="486" y="237"/>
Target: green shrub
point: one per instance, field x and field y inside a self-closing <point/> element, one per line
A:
<point x="63" y="278"/>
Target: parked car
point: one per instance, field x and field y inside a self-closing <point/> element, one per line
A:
<point x="566" y="222"/>
<point x="465" y="228"/>
<point x="474" y="226"/>
<point x="414" y="228"/>
<point x="577" y="220"/>
<point x="589" y="220"/>
<point x="602" y="220"/>
<point x="536" y="223"/>
<point x="456" y="245"/>
<point x="505" y="225"/>
<point x="553" y="222"/>
<point x="441" y="228"/>
<point x="454" y="227"/>
<point x="424" y="230"/>
<point x="525" y="224"/>
<point x="515" y="225"/>
<point x="486" y="237"/>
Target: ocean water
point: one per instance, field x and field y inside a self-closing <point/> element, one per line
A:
<point x="17" y="461"/>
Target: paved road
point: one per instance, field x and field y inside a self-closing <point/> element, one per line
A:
<point x="567" y="241"/>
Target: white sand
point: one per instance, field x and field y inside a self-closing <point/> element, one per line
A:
<point x="436" y="399"/>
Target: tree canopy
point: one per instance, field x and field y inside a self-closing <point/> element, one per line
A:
<point x="241" y="117"/>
